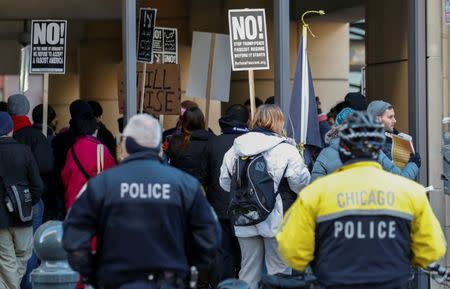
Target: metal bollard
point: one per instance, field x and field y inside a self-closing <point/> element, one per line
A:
<point x="54" y="271"/>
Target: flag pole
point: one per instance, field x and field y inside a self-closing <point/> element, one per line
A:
<point x="305" y="79"/>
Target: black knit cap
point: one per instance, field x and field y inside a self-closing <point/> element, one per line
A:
<point x="83" y="121"/>
<point x="96" y="108"/>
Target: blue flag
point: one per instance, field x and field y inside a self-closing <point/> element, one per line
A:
<point x="294" y="120"/>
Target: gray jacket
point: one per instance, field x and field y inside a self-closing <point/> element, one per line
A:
<point x="329" y="160"/>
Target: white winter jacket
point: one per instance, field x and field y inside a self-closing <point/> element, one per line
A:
<point x="280" y="158"/>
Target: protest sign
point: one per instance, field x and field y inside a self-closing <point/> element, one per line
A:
<point x="402" y="148"/>
<point x="48" y="46"/>
<point x="162" y="91"/>
<point x="165" y="45"/>
<point x="205" y="47"/>
<point x="248" y="39"/>
<point x="145" y="36"/>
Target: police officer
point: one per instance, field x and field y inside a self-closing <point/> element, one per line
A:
<point x="146" y="216"/>
<point x="361" y="227"/>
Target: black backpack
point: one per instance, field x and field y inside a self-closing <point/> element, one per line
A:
<point x="252" y="191"/>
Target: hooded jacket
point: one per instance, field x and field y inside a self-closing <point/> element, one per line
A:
<point x="282" y="159"/>
<point x="215" y="150"/>
<point x="191" y="158"/>
<point x="329" y="161"/>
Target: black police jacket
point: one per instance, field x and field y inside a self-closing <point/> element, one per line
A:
<point x="147" y="217"/>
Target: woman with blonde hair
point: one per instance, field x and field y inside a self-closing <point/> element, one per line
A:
<point x="257" y="242"/>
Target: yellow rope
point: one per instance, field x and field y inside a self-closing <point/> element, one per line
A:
<point x="320" y="12"/>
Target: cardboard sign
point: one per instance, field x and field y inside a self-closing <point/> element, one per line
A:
<point x="162" y="89"/>
<point x="248" y="39"/>
<point x="165" y="45"/>
<point x="48" y="46"/>
<point x="147" y="21"/>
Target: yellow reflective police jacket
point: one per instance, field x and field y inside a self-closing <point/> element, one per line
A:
<point x="361" y="225"/>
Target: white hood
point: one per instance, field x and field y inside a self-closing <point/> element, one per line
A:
<point x="253" y="143"/>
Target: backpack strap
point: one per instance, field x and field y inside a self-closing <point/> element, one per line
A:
<point x="100" y="158"/>
<point x="78" y="163"/>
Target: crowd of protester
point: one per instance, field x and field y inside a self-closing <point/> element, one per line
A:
<point x="58" y="165"/>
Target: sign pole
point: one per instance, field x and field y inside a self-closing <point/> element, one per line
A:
<point x="141" y="107"/>
<point x="45" y="104"/>
<point x="251" y="85"/>
<point x="209" y="83"/>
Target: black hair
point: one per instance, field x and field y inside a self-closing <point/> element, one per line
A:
<point x="3" y="106"/>
<point x="38" y="111"/>
<point x="258" y="102"/>
<point x="96" y="108"/>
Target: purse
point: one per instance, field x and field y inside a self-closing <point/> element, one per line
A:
<point x="18" y="201"/>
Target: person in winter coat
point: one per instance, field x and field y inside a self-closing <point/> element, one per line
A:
<point x="61" y="144"/>
<point x="84" y="157"/>
<point x="187" y="150"/>
<point x="25" y="133"/>
<point x="18" y="108"/>
<point x="233" y="125"/>
<point x="167" y="134"/>
<point x="52" y="121"/>
<point x="50" y="197"/>
<point x="257" y="242"/>
<point x="17" y="166"/>
<point x="329" y="160"/>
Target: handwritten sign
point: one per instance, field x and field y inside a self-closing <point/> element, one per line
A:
<point x="162" y="89"/>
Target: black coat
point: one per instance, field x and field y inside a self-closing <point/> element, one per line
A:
<point x="39" y="145"/>
<point x="17" y="166"/>
<point x="192" y="158"/>
<point x="215" y="150"/>
<point x="140" y="233"/>
<point x="61" y="144"/>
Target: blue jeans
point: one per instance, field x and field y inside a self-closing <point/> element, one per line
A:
<point x="38" y="212"/>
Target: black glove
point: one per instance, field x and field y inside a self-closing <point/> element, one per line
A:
<point x="415" y="158"/>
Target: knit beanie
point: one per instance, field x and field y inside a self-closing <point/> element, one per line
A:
<point x="6" y="124"/>
<point x="377" y="107"/>
<point x="18" y="104"/>
<point x="356" y="101"/>
<point x="343" y="115"/>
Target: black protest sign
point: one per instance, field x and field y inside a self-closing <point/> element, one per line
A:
<point x="248" y="39"/>
<point x="165" y="45"/>
<point x="147" y="21"/>
<point x="162" y="93"/>
<point x="48" y="46"/>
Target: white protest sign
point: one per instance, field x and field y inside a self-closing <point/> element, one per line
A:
<point x="200" y="71"/>
<point x="248" y="39"/>
<point x="48" y="46"/>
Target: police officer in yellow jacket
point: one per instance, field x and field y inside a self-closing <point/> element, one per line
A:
<point x="361" y="227"/>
